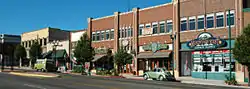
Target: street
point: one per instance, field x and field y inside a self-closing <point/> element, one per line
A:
<point x="88" y="82"/>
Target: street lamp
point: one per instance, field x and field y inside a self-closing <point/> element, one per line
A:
<point x="55" y="43"/>
<point x="229" y="38"/>
<point x="173" y="36"/>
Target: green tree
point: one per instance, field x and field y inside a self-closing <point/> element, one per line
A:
<point x="83" y="50"/>
<point x="122" y="58"/>
<point x="241" y="51"/>
<point x="34" y="52"/>
<point x="20" y="53"/>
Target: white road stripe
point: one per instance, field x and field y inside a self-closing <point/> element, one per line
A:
<point x="34" y="86"/>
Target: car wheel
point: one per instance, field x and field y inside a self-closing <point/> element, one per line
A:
<point x="42" y="70"/>
<point x="145" y="77"/>
<point x="161" y="78"/>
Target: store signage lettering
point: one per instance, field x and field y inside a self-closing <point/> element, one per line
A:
<point x="206" y="41"/>
<point x="155" y="47"/>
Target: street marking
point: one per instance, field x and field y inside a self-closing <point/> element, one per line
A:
<point x="95" y="85"/>
<point x="34" y="86"/>
<point x="31" y="75"/>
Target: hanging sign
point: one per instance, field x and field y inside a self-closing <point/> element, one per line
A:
<point x="206" y="40"/>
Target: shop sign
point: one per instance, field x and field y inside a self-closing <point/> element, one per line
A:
<point x="155" y="47"/>
<point x="217" y="53"/>
<point x="206" y="40"/>
<point x="197" y="60"/>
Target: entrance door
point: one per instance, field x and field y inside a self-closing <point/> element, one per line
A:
<point x="186" y="63"/>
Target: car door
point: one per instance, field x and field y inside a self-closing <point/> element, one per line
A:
<point x="152" y="73"/>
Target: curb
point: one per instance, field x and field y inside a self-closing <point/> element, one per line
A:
<point x="32" y="75"/>
<point x="187" y="82"/>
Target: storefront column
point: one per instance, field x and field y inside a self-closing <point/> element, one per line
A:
<point x="157" y="63"/>
<point x="152" y="65"/>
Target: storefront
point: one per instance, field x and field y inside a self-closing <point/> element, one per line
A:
<point x="206" y="57"/>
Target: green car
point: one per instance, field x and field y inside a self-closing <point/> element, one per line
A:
<point x="159" y="74"/>
<point x="45" y="65"/>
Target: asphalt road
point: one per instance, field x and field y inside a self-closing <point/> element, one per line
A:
<point x="85" y="82"/>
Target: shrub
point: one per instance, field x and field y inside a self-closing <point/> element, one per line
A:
<point x="231" y="81"/>
<point x="78" y="69"/>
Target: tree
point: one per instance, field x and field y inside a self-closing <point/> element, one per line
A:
<point x="83" y="50"/>
<point x="122" y="58"/>
<point x="241" y="50"/>
<point x="35" y="51"/>
<point x="20" y="53"/>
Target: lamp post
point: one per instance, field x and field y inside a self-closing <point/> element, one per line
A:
<point x="229" y="38"/>
<point x="2" y="56"/>
<point x="173" y="36"/>
<point x="55" y="43"/>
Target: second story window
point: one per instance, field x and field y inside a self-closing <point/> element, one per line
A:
<point x="45" y="41"/>
<point x="141" y="26"/>
<point x="200" y="22"/>
<point x="183" y="24"/>
<point x="162" y="26"/>
<point x="192" y="23"/>
<point x="231" y="17"/>
<point x="210" y="20"/>
<point x="93" y="36"/>
<point x="169" y="26"/>
<point x="129" y="32"/>
<point x="98" y="36"/>
<point x="112" y="34"/>
<point x="107" y="34"/>
<point x="155" y="27"/>
<point x="220" y="19"/>
<point x="102" y="35"/>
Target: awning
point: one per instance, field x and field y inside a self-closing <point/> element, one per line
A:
<point x="97" y="57"/>
<point x="154" y="55"/>
<point x="60" y="54"/>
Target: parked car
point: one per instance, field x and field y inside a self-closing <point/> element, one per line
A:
<point x="159" y="74"/>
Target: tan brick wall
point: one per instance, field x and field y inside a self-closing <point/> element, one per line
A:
<point x="42" y="33"/>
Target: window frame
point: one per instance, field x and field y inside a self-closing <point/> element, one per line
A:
<point x="112" y="34"/>
<point x="231" y="12"/>
<point x="93" y="36"/>
<point x="198" y="24"/>
<point x="182" y="22"/>
<point x="107" y="34"/>
<point x="208" y="16"/>
<point x="193" y="22"/>
<point x="162" y="26"/>
<point x="219" y="18"/>
<point x="141" y="26"/>
<point x="98" y="36"/>
<point x="169" y="23"/>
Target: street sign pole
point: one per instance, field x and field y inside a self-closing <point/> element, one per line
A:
<point x="229" y="38"/>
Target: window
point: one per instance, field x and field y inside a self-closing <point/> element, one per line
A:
<point x="112" y="34"/>
<point x="102" y="35"/>
<point x="231" y="17"/>
<point x="123" y="33"/>
<point x="183" y="24"/>
<point x="162" y="26"/>
<point x="107" y="34"/>
<point x="26" y="44"/>
<point x="140" y="29"/>
<point x="29" y="43"/>
<point x="192" y="23"/>
<point x="93" y="36"/>
<point x="45" y="41"/>
<point x="201" y="22"/>
<point x="98" y="36"/>
<point x="210" y="20"/>
<point x="155" y="27"/>
<point x="169" y="26"/>
<point x="220" y="19"/>
<point x="41" y="42"/>
<point x="129" y="32"/>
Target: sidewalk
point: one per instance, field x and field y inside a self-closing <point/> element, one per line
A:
<point x="190" y="80"/>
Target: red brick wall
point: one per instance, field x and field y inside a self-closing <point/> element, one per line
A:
<point x="103" y="24"/>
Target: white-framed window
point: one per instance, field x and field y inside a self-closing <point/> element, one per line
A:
<point x="93" y="36"/>
<point x="162" y="27"/>
<point x="129" y="31"/>
<point x="98" y="36"/>
<point x="220" y="19"/>
<point x="112" y="34"/>
<point x="200" y="22"/>
<point x="155" y="27"/>
<point x="232" y="17"/>
<point x="141" y="26"/>
<point x="183" y="24"/>
<point x="210" y="20"/>
<point x="192" y="21"/>
<point x="102" y="35"/>
<point x="148" y="25"/>
<point x="169" y="26"/>
<point x="107" y="34"/>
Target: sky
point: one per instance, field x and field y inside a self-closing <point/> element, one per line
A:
<point x="18" y="16"/>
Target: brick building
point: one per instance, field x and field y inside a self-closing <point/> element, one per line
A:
<point x="147" y="32"/>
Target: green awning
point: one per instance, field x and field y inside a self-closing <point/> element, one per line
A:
<point x="246" y="10"/>
<point x="59" y="54"/>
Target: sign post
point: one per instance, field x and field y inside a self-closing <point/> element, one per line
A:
<point x="229" y="38"/>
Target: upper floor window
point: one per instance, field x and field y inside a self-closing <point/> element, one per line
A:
<point x="26" y="44"/>
<point x="98" y="36"/>
<point x="107" y="34"/>
<point x="129" y="32"/>
<point x="201" y="22"/>
<point x="112" y="34"/>
<point x="162" y="26"/>
<point x="169" y="26"/>
<point x="93" y="36"/>
<point x="192" y="23"/>
<point x="210" y="21"/>
<point x="41" y="42"/>
<point x="29" y="43"/>
<point x="123" y="33"/>
<point x="102" y="35"/>
<point x="141" y="26"/>
<point x="45" y="41"/>
<point x="183" y="24"/>
<point x="220" y="19"/>
<point x="231" y="17"/>
<point x="155" y="27"/>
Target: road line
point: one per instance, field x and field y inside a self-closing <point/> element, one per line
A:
<point x="34" y="86"/>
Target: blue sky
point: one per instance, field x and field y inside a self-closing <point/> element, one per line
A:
<point x="18" y="16"/>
